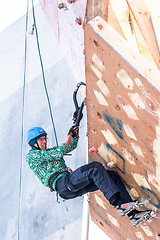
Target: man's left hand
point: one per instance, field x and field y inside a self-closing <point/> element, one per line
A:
<point x="74" y="131"/>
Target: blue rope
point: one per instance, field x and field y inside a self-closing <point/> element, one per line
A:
<point x="23" y="103"/>
<point x="22" y="133"/>
<point x="43" y="75"/>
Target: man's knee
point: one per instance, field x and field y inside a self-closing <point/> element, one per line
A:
<point x="114" y="175"/>
<point x="97" y="165"/>
<point x="92" y="165"/>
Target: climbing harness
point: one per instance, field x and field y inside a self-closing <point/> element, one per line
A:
<point x="78" y="109"/>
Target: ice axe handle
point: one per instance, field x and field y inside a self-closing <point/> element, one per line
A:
<point x="79" y="114"/>
<point x="75" y="99"/>
<point x="75" y="94"/>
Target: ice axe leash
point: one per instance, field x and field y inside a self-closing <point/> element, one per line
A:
<point x="79" y="109"/>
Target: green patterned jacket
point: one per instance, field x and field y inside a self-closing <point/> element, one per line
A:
<point x="44" y="163"/>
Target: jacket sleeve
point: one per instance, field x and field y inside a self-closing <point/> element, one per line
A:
<point x="60" y="151"/>
<point x="36" y="158"/>
<point x="72" y="145"/>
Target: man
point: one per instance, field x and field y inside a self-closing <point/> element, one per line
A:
<point x="49" y="166"/>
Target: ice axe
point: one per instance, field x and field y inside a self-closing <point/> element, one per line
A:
<point x="78" y="109"/>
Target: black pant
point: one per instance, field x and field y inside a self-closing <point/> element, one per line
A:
<point x="91" y="177"/>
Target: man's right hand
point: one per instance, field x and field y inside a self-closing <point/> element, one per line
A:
<point x="74" y="131"/>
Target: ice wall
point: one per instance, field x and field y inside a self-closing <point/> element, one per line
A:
<point x="40" y="216"/>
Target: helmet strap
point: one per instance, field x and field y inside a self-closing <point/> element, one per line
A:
<point x="35" y="146"/>
<point x="38" y="146"/>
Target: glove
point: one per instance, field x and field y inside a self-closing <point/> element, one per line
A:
<point x="75" y="115"/>
<point x="74" y="131"/>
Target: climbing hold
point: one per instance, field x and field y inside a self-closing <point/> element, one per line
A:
<point x="152" y="179"/>
<point x="71" y="1"/>
<point x="111" y="165"/>
<point x="100" y="26"/>
<point x="62" y="5"/>
<point x="83" y="51"/>
<point x="93" y="150"/>
<point x="157" y="236"/>
<point x="83" y="25"/>
<point x="134" y="193"/>
<point x="78" y="21"/>
<point x="94" y="131"/>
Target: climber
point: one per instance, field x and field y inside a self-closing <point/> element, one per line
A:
<point x="49" y="166"/>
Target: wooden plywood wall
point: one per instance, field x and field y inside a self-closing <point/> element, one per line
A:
<point x="123" y="110"/>
<point x="136" y="21"/>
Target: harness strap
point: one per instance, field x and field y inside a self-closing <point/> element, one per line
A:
<point x="52" y="179"/>
<point x="55" y="176"/>
<point x="68" y="183"/>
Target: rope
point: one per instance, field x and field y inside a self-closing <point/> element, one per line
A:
<point x="22" y="133"/>
<point x="23" y="103"/>
<point x="43" y="75"/>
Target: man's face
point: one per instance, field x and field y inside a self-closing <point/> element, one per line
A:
<point x="42" y="142"/>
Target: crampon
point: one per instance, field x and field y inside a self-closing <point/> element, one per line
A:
<point x="138" y="218"/>
<point x="126" y="208"/>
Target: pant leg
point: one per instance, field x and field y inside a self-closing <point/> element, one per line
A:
<point x="101" y="178"/>
<point x="125" y="197"/>
<point x="90" y="177"/>
<point x="65" y="193"/>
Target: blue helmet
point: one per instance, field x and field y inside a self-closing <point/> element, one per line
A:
<point x="34" y="134"/>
